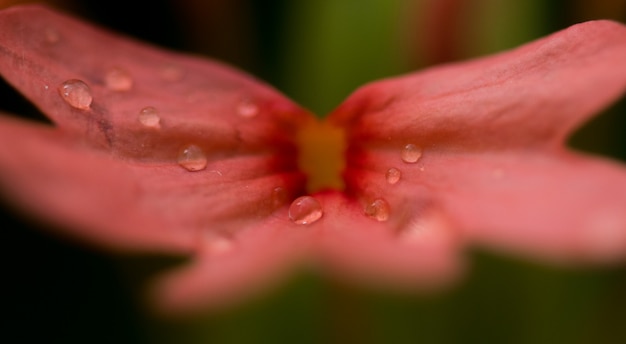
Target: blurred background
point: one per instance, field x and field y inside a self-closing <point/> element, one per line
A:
<point x="317" y="52"/>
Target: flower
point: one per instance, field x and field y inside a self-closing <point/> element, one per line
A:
<point x="153" y="151"/>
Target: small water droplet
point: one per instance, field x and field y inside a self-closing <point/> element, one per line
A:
<point x="411" y="153"/>
<point x="305" y="210"/>
<point x="378" y="210"/>
<point x="247" y="108"/>
<point x="172" y="73"/>
<point x="393" y="175"/>
<point x="149" y="117"/>
<point x="192" y="158"/>
<point x="52" y="35"/>
<point x="76" y="93"/>
<point x="219" y="244"/>
<point x="279" y="196"/>
<point x="118" y="79"/>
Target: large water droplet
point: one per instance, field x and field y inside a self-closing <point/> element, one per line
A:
<point x="411" y="153"/>
<point x="76" y="93"/>
<point x="149" y="117"/>
<point x="247" y="108"/>
<point x="192" y="158"/>
<point x="393" y="175"/>
<point x="378" y="210"/>
<point x="305" y="210"/>
<point x="118" y="79"/>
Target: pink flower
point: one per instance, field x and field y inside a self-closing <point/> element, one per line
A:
<point x="152" y="151"/>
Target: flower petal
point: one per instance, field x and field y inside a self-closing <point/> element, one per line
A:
<point x="531" y="96"/>
<point x="481" y="142"/>
<point x="405" y="253"/>
<point x="243" y="129"/>
<point x="197" y="100"/>
<point x="344" y="244"/>
<point x="229" y="270"/>
<point x="59" y="180"/>
<point x="566" y="208"/>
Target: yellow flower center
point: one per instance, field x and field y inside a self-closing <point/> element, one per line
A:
<point x="322" y="155"/>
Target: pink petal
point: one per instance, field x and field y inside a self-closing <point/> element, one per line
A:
<point x="532" y="96"/>
<point x="344" y="245"/>
<point x="196" y="99"/>
<point x="230" y="270"/>
<point x="116" y="180"/>
<point x="491" y="133"/>
<point x="411" y="252"/>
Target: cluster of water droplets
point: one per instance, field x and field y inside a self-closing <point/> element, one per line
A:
<point x="304" y="210"/>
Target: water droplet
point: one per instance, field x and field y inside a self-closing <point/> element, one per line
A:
<point x="172" y="73"/>
<point x="149" y="117"/>
<point x="192" y="158"/>
<point x="218" y="244"/>
<point x="118" y="79"/>
<point x="378" y="210"/>
<point x="305" y="210"/>
<point x="247" y="108"/>
<point x="76" y="93"/>
<point x="279" y="196"/>
<point x="393" y="175"/>
<point x="52" y="35"/>
<point x="411" y="153"/>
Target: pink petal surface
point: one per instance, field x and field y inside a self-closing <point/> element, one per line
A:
<point x="103" y="177"/>
<point x="492" y="169"/>
<point x="199" y="103"/>
<point x="491" y="133"/>
<point x="343" y="245"/>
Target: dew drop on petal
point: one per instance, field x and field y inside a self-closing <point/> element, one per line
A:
<point x="305" y="210"/>
<point x="393" y="175"/>
<point x="149" y="117"/>
<point x="378" y="210"/>
<point x="218" y="244"/>
<point x="192" y="158"/>
<point x="76" y="93"/>
<point x="118" y="79"/>
<point x="172" y="73"/>
<point x="52" y="35"/>
<point x="279" y="196"/>
<point x="247" y="109"/>
<point x="411" y="153"/>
